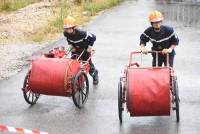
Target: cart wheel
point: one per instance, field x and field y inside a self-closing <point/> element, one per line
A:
<point x="80" y="89"/>
<point x="120" y="101"/>
<point x="176" y="99"/>
<point x="29" y="96"/>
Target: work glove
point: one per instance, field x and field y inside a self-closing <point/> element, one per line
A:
<point x="89" y="49"/>
<point x="143" y="50"/>
<point x="166" y="50"/>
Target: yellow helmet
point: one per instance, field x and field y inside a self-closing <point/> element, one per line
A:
<point x="155" y="16"/>
<point x="69" y="22"/>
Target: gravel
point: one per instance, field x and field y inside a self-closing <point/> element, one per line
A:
<point x="14" y="28"/>
<point x="14" y="57"/>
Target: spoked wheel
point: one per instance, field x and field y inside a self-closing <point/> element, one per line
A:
<point x="80" y="89"/>
<point x="120" y="101"/>
<point x="29" y="96"/>
<point x="176" y="99"/>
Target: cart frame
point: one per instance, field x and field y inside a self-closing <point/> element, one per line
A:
<point x="79" y="83"/>
<point x="123" y="88"/>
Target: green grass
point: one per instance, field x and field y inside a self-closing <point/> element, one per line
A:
<point x="64" y="9"/>
<point x="60" y="11"/>
<point x="93" y="7"/>
<point x="67" y="9"/>
<point x="43" y="33"/>
<point x="13" y="5"/>
<point x="54" y="26"/>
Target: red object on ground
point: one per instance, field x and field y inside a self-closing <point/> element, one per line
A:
<point x="4" y="128"/>
<point x="53" y="76"/>
<point x="148" y="91"/>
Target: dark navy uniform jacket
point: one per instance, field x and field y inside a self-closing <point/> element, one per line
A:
<point x="81" y="39"/>
<point x="160" y="40"/>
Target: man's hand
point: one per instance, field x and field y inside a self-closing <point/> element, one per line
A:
<point x="143" y="50"/>
<point x="89" y="49"/>
<point x="165" y="51"/>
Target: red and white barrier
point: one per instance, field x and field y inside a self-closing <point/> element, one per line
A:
<point x="4" y="128"/>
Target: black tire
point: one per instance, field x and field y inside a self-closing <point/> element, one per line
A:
<point x="176" y="99"/>
<point x="80" y="89"/>
<point x="120" y="102"/>
<point x="29" y="96"/>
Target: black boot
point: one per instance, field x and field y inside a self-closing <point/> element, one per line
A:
<point x="95" y="77"/>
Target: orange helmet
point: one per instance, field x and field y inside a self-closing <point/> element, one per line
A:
<point x="155" y="16"/>
<point x="69" y="22"/>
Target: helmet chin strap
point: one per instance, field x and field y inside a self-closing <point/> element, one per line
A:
<point x="73" y="31"/>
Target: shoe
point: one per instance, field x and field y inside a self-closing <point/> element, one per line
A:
<point x="95" y="78"/>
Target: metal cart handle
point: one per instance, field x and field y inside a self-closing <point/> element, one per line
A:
<point x="87" y="61"/>
<point x="133" y="53"/>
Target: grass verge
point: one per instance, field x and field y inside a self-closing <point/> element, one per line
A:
<point x="12" y="5"/>
<point x="82" y="12"/>
<point x="98" y="5"/>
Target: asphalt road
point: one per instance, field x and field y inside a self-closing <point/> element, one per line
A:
<point x="117" y="32"/>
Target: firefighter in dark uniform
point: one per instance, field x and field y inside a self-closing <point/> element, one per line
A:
<point x="162" y="37"/>
<point x="78" y="41"/>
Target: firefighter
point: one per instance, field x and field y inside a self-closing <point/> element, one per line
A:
<point x="78" y="41"/>
<point x="163" y="38"/>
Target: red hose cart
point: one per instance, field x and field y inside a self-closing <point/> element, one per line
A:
<point x="148" y="91"/>
<point x="55" y="74"/>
